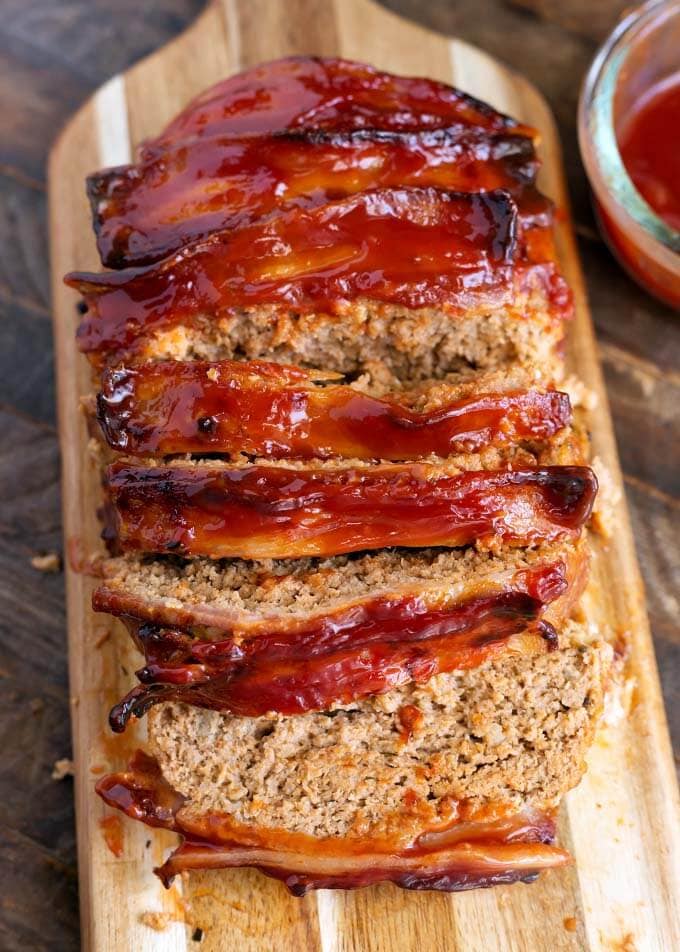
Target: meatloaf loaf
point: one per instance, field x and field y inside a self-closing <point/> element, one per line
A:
<point x="345" y="502"/>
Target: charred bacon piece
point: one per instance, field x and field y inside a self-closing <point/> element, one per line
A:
<point x="142" y="213"/>
<point x="470" y="852"/>
<point x="368" y="649"/>
<point x="260" y="512"/>
<point x="320" y="260"/>
<point x="329" y="94"/>
<point x="271" y="410"/>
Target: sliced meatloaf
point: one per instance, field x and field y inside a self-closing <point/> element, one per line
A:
<point x="346" y="503"/>
<point x="276" y="511"/>
<point x="515" y="730"/>
<point x="274" y="410"/>
<point x="412" y="345"/>
<point x="446" y="785"/>
<point x="212" y="597"/>
<point x="338" y="285"/>
<point x="335" y="630"/>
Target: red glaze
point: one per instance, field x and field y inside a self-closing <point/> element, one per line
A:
<point x="276" y="411"/>
<point x="465" y="853"/>
<point x="368" y="649"/>
<point x="260" y="512"/>
<point x="649" y="142"/>
<point x="143" y="213"/>
<point x="113" y="834"/>
<point x="321" y="259"/>
<point x="328" y="94"/>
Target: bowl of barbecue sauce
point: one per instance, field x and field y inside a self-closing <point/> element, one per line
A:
<point x="629" y="134"/>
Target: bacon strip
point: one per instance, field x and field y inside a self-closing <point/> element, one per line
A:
<point x="263" y="512"/>
<point x="276" y="411"/>
<point x="467" y="853"/>
<point x="320" y="259"/>
<point x="144" y="212"/>
<point x="468" y="866"/>
<point x="335" y="95"/>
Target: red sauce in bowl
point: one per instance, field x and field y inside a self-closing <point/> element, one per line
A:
<point x="649" y="142"/>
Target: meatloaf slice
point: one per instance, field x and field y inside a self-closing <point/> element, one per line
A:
<point x="514" y="730"/>
<point x="280" y="411"/>
<point x="338" y="285"/>
<point x="410" y="345"/>
<point x="326" y="93"/>
<point x="211" y="598"/>
<point x="144" y="212"/>
<point x="431" y="613"/>
<point x="389" y="788"/>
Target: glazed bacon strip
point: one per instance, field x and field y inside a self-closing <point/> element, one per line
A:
<point x="367" y="649"/>
<point x="319" y="260"/>
<point x="142" y="213"/>
<point x="260" y="512"/>
<point x="326" y="94"/>
<point x="470" y="852"/>
<point x="276" y="411"/>
<point x="473" y="865"/>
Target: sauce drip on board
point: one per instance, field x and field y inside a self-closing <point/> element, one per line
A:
<point x="112" y="830"/>
<point x="274" y="512"/>
<point x="368" y="649"/>
<point x="277" y="411"/>
<point x="649" y="142"/>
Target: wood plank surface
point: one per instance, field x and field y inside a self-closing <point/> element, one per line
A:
<point x="622" y="823"/>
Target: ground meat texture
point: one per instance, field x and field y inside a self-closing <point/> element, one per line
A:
<point x="409" y="345"/>
<point x="514" y="730"/>
<point x="285" y="587"/>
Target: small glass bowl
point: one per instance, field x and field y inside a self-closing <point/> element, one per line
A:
<point x="643" y="50"/>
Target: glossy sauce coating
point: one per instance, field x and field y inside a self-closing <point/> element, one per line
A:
<point x="270" y="410"/>
<point x="143" y="213"/>
<point x="272" y="512"/>
<point x="331" y="94"/>
<point x="466" y="852"/>
<point x="368" y="649"/>
<point x="320" y="260"/>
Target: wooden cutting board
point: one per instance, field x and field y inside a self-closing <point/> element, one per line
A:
<point x="622" y="824"/>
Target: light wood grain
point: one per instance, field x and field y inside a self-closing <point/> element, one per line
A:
<point x="621" y="824"/>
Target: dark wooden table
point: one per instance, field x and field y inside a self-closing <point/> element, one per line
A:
<point x="53" y="53"/>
